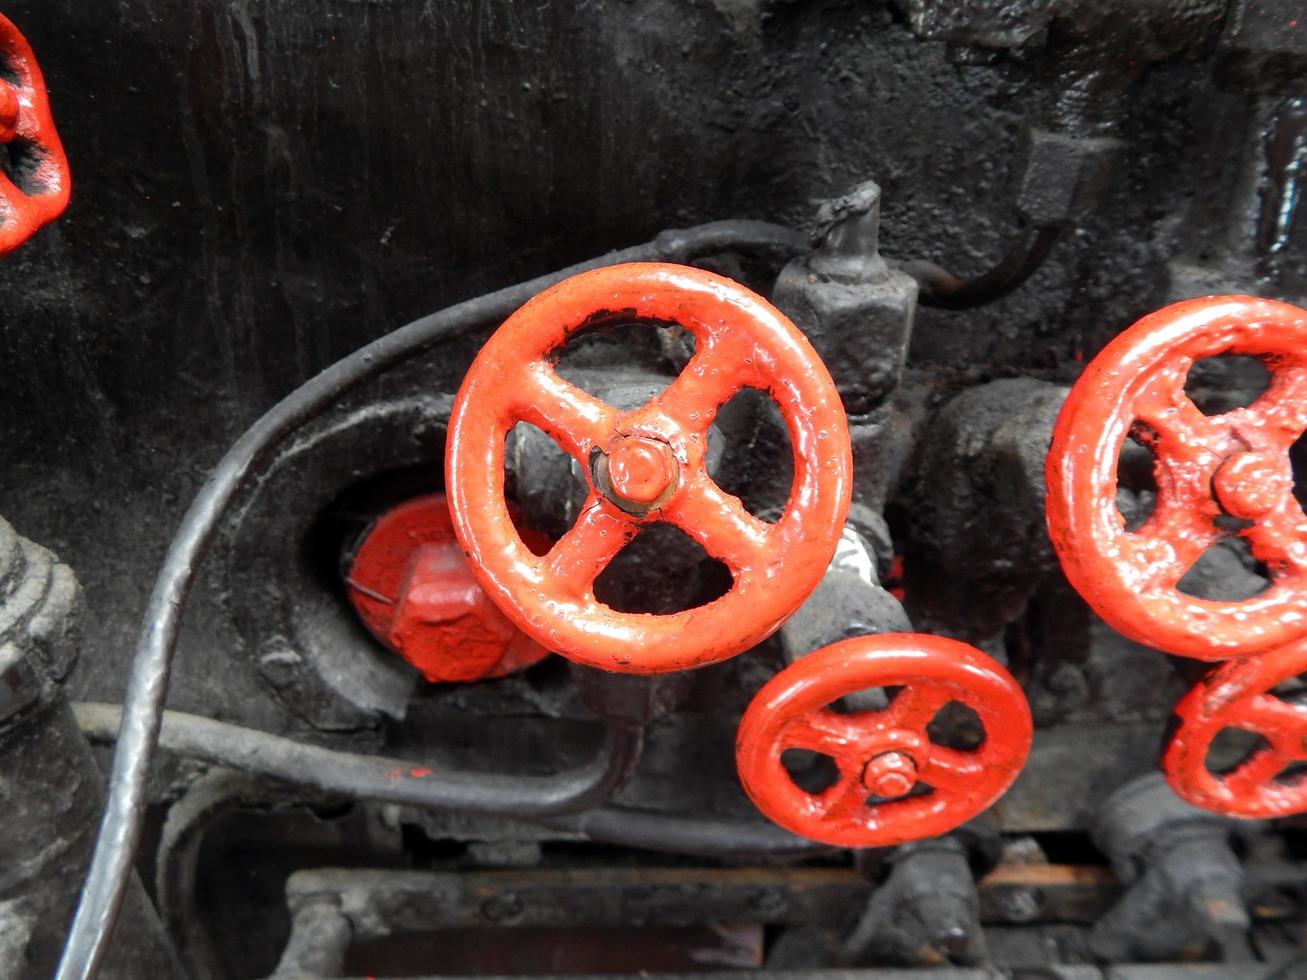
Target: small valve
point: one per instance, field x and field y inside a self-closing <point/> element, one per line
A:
<point x="647" y="466"/>
<point x="1249" y="695"/>
<point x="896" y="782"/>
<point x="35" y="185"/>
<point x="1216" y="475"/>
<point x="410" y="584"/>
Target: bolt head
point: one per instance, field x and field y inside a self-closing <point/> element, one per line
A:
<point x="641" y="470"/>
<point x="890" y="775"/>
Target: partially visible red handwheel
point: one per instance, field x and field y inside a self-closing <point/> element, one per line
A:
<point x="1235" y="464"/>
<point x="37" y="192"/>
<point x="894" y="784"/>
<point x="1239" y="695"/>
<point x="647" y="466"/>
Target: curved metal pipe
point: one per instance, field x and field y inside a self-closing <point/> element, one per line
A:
<point x="941" y="289"/>
<point x="387" y="780"/>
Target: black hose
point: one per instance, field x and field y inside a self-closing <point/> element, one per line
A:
<point x="554" y="801"/>
<point x="941" y="289"/>
<point x="120" y="827"/>
<point x="372" y="777"/>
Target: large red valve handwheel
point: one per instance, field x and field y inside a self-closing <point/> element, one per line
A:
<point x="1234" y="465"/>
<point x="894" y="783"/>
<point x="1239" y="695"/>
<point x="37" y="192"/>
<point x="646" y="466"/>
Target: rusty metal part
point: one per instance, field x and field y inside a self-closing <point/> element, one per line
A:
<point x="411" y="585"/>
<point x="867" y="805"/>
<point x="1231" y="465"/>
<point x="1241" y="695"/>
<point x="741" y="342"/>
<point x="34" y="177"/>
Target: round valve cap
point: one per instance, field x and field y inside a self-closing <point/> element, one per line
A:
<point x="410" y="584"/>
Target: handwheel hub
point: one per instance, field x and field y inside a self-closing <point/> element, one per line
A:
<point x="1249" y="485"/>
<point x="890" y="775"/>
<point x="641" y="472"/>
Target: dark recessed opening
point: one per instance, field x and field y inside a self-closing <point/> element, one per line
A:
<point x="1136" y="478"/>
<point x="643" y="348"/>
<point x="20" y="161"/>
<point x="956" y="726"/>
<point x="1228" y="381"/>
<point x="1298" y="460"/>
<point x="1226" y="572"/>
<point x="559" y="951"/>
<point x="329" y="546"/>
<point x="757" y="459"/>
<point x="548" y="488"/>
<point x="1231" y="748"/>
<point x="812" y="772"/>
<point x="662" y="571"/>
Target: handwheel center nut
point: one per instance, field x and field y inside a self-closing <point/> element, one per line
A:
<point x="641" y="471"/>
<point x="1249" y="485"/>
<point x="890" y="775"/>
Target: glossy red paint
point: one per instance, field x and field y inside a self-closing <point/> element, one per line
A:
<point x="741" y="341"/>
<point x="410" y="583"/>
<point x="27" y="126"/>
<point x="883" y="753"/>
<point x="1238" y="695"/>
<point x="1235" y="464"/>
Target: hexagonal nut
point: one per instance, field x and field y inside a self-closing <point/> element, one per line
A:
<point x="1063" y="176"/>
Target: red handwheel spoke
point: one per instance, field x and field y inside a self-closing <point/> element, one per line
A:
<point x="1251" y="775"/>
<point x="1282" y="410"/>
<point x="719" y="522"/>
<point x="950" y="770"/>
<point x="575" y="419"/>
<point x="914" y="708"/>
<point x="819" y="731"/>
<point x="580" y="555"/>
<point x="844" y="801"/>
<point x="711" y="378"/>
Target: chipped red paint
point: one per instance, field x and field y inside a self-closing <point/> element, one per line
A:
<point x="28" y="127"/>
<point x="1238" y="695"/>
<point x="742" y="341"/>
<point x="883" y="753"/>
<point x="410" y="583"/>
<point x="1236" y="464"/>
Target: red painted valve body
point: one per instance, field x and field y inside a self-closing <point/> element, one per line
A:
<point x="410" y="583"/>
<point x="1237" y="695"/>
<point x="1235" y="464"/>
<point x="27" y="126"/>
<point x="647" y="466"/>
<point x="883" y="753"/>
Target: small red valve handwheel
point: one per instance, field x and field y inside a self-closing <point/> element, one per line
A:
<point x="894" y="783"/>
<point x="1235" y="464"/>
<point x="36" y="156"/>
<point x="647" y="466"/>
<point x="410" y="584"/>
<point x="1238" y="695"/>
